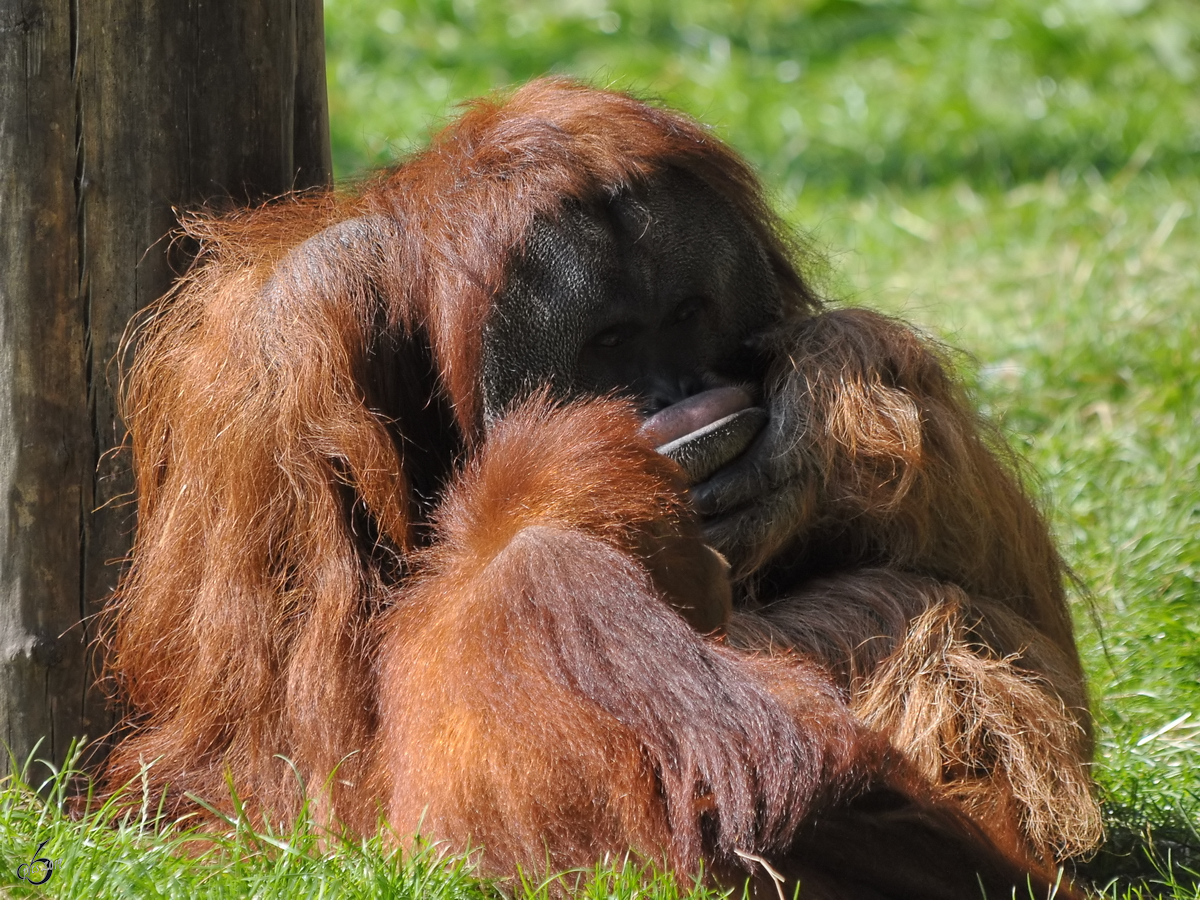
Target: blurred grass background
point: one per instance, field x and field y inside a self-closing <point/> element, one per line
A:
<point x="1019" y="178"/>
<point x="848" y="95"/>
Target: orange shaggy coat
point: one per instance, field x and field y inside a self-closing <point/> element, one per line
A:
<point x="339" y="575"/>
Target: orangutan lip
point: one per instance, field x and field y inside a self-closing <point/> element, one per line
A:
<point x="705" y="451"/>
<point x="695" y="413"/>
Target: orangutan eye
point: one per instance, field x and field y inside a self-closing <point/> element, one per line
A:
<point x="687" y="309"/>
<point x="612" y="337"/>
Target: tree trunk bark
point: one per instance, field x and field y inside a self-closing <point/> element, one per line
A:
<point x="112" y="115"/>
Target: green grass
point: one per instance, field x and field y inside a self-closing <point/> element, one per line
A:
<point x="101" y="853"/>
<point x="1020" y="178"/>
<point x="836" y="93"/>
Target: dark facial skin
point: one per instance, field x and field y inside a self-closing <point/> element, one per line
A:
<point x="657" y="295"/>
<point x="660" y="295"/>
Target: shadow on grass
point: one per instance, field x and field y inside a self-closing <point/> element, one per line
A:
<point x="1150" y="847"/>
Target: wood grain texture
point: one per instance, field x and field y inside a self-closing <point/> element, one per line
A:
<point x="112" y="117"/>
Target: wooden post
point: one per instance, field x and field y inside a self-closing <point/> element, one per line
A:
<point x="111" y="115"/>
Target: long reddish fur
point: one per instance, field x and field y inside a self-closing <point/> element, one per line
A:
<point x="263" y="391"/>
<point x="298" y="602"/>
